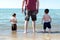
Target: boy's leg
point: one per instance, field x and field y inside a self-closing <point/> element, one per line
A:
<point x="49" y="30"/>
<point x="44" y="27"/>
<point x="44" y="30"/>
<point x="12" y="27"/>
<point x="15" y="27"/>
<point x="49" y="26"/>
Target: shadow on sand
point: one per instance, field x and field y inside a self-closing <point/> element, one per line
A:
<point x="49" y="32"/>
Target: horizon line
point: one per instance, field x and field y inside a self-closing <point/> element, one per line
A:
<point x="21" y="8"/>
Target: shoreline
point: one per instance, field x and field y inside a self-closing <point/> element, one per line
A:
<point x="39" y="27"/>
<point x="7" y="34"/>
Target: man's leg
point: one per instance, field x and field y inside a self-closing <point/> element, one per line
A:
<point x="25" y="26"/>
<point x="33" y="16"/>
<point x="33" y="25"/>
<point x="27" y="16"/>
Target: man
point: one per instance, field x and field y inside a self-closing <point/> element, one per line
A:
<point x="31" y="10"/>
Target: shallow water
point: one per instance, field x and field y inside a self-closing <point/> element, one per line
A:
<point x="19" y="35"/>
<point x="7" y="34"/>
<point x="5" y="15"/>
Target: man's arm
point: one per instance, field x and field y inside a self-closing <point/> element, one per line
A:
<point x="37" y="5"/>
<point x="23" y="5"/>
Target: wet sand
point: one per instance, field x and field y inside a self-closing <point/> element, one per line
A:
<point x="7" y="34"/>
<point x="19" y="35"/>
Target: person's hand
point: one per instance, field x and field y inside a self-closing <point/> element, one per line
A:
<point x="22" y="10"/>
<point x="36" y="11"/>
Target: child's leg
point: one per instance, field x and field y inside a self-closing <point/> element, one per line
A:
<point x="49" y="30"/>
<point x="15" y="27"/>
<point x="49" y="26"/>
<point x="44" y="30"/>
<point x="44" y="27"/>
<point x="12" y="28"/>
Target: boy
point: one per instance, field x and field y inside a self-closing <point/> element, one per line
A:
<point x="13" y="21"/>
<point x="47" y="20"/>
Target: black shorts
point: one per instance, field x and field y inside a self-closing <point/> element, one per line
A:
<point x="47" y="24"/>
<point x="14" y="27"/>
<point x="29" y="14"/>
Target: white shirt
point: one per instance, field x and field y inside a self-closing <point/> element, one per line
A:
<point x="13" y="20"/>
<point x="46" y="18"/>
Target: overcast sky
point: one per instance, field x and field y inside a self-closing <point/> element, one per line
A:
<point x="51" y="4"/>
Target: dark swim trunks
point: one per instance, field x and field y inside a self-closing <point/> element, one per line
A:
<point x="31" y="14"/>
<point x="14" y="27"/>
<point x="47" y="24"/>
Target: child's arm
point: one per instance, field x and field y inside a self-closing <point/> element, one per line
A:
<point x="10" y="20"/>
<point x="50" y="19"/>
<point x="16" y="20"/>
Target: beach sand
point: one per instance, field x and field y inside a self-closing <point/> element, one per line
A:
<point x="7" y="34"/>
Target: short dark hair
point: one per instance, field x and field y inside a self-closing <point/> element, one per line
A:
<point x="14" y="14"/>
<point x="46" y="11"/>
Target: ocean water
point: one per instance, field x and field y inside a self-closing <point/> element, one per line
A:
<point x="5" y="15"/>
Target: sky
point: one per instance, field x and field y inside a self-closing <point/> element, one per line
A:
<point x="51" y="4"/>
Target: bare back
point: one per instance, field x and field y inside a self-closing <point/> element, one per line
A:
<point x="46" y="18"/>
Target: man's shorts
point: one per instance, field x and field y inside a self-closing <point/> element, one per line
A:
<point x="47" y="24"/>
<point x="31" y="14"/>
